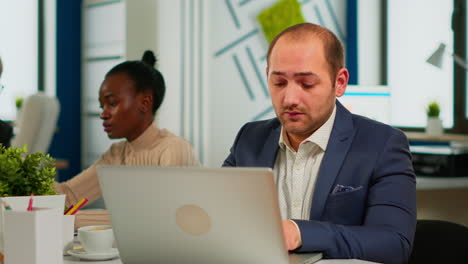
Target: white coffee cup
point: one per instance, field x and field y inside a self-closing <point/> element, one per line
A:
<point x="96" y="239"/>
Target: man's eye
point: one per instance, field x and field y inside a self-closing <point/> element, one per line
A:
<point x="280" y="84"/>
<point x="112" y="103"/>
<point x="305" y="85"/>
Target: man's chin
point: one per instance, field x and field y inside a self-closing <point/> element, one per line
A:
<point x="293" y="125"/>
<point x="296" y="129"/>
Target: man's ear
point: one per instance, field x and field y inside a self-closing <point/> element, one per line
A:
<point x="341" y="82"/>
<point x="145" y="102"/>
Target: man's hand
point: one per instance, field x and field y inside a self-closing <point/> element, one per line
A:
<point x="292" y="235"/>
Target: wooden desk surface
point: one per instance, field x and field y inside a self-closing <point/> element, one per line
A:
<point x="440" y="183"/>
<point x="418" y="136"/>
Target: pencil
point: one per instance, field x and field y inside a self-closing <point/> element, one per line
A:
<point x="30" y="205"/>
<point x="68" y="209"/>
<point x="7" y="206"/>
<point x="77" y="209"/>
<point x="77" y="206"/>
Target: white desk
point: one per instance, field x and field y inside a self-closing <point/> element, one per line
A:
<point x="73" y="260"/>
<point x="439" y="183"/>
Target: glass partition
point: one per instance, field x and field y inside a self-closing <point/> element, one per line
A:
<point x="19" y="53"/>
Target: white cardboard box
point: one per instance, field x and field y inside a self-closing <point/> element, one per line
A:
<point x="33" y="237"/>
<point x="20" y="203"/>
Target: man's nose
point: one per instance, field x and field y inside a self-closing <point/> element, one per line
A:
<point x="292" y="94"/>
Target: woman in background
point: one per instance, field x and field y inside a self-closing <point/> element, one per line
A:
<point x="130" y="95"/>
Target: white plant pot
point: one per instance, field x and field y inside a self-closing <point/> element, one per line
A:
<point x="434" y="126"/>
<point x="20" y="203"/>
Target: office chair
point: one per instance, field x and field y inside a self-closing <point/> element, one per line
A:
<point x="37" y="123"/>
<point x="6" y="133"/>
<point x="439" y="241"/>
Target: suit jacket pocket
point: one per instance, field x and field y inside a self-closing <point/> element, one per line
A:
<point x="346" y="207"/>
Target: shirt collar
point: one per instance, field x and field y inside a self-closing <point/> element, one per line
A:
<point x="145" y="138"/>
<point x="320" y="137"/>
<point x="283" y="140"/>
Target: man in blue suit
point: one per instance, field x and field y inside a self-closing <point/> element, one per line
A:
<point x="346" y="185"/>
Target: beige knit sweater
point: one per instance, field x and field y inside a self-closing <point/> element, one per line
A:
<point x="155" y="147"/>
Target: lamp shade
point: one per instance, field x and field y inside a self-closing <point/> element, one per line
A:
<point x="436" y="58"/>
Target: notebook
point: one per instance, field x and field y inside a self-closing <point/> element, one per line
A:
<point x="195" y="215"/>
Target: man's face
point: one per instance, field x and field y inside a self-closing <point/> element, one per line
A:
<point x="120" y="105"/>
<point x="301" y="88"/>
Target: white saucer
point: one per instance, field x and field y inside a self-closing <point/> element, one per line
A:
<point x="82" y="254"/>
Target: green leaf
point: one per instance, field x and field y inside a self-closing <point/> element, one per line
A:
<point x="23" y="174"/>
<point x="433" y="109"/>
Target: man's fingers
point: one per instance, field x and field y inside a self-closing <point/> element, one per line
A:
<point x="290" y="245"/>
<point x="289" y="234"/>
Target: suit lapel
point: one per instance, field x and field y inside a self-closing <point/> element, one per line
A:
<point x="340" y="140"/>
<point x="267" y="156"/>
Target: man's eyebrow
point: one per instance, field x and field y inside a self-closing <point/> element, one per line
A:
<point x="305" y="74"/>
<point x="278" y="73"/>
<point x="295" y="74"/>
<point x="107" y="95"/>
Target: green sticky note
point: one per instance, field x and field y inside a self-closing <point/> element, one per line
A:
<point x="283" y="14"/>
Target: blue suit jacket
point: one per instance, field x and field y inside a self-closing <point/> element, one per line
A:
<point x="376" y="220"/>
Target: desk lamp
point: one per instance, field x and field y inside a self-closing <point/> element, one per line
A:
<point x="436" y="58"/>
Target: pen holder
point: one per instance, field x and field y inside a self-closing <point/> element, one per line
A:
<point x="33" y="237"/>
<point x="20" y="203"/>
<point x="68" y="232"/>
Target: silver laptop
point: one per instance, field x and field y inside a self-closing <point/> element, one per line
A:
<point x="195" y="215"/>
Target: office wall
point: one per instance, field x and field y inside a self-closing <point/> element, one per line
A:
<point x="370" y="39"/>
<point x="19" y="53"/>
<point x="212" y="54"/>
<point x="415" y="30"/>
<point x="50" y="46"/>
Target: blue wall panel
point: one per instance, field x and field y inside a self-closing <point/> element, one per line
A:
<point x="67" y="141"/>
<point x="352" y="41"/>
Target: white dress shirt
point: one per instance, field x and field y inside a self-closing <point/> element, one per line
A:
<point x="296" y="172"/>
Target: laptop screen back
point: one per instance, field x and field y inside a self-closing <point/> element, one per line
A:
<point x="194" y="215"/>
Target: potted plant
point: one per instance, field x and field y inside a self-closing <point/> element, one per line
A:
<point x="18" y="103"/>
<point x="434" y="123"/>
<point x="23" y="174"/>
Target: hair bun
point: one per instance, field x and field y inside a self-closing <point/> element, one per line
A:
<point x="149" y="58"/>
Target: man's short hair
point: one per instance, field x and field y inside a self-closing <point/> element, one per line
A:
<point x="334" y="52"/>
<point x="1" y="67"/>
